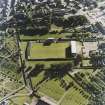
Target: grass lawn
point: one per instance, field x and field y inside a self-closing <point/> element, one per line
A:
<point x="46" y="63"/>
<point x="55" y="50"/>
<point x="23" y="48"/>
<point x="53" y="89"/>
<point x="33" y="63"/>
<point x="28" y="37"/>
<point x="21" y="98"/>
<point x="73" y="97"/>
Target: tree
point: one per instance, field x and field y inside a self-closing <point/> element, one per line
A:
<point x="74" y="21"/>
<point x="58" y="70"/>
<point x="36" y="70"/>
<point x="97" y="59"/>
<point x="67" y="1"/>
<point x="78" y="59"/>
<point x="58" y="21"/>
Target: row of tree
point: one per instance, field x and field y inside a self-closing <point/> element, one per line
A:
<point x="39" y="18"/>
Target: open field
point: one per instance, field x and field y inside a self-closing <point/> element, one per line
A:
<point x="20" y="98"/>
<point x="53" y="89"/>
<point x="46" y="63"/>
<point x="55" y="50"/>
<point x="73" y="97"/>
<point x="23" y="37"/>
<point x="33" y="63"/>
<point x="23" y="48"/>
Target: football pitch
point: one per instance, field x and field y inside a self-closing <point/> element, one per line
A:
<point x="55" y="50"/>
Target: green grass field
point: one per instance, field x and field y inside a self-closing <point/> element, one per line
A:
<point x="33" y="63"/>
<point x="55" y="50"/>
<point x="23" y="48"/>
<point x="73" y="97"/>
<point x="21" y="97"/>
<point x="28" y="37"/>
<point x="46" y="63"/>
<point x="52" y="87"/>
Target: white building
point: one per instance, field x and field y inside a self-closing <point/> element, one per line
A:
<point x="73" y="48"/>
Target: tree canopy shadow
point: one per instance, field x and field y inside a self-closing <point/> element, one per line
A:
<point x="36" y="70"/>
<point x="57" y="72"/>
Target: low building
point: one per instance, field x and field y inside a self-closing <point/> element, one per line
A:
<point x="73" y="48"/>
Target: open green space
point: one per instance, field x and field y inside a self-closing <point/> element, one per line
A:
<point x="46" y="63"/>
<point x="29" y="37"/>
<point x="23" y="48"/>
<point x="33" y="63"/>
<point x="52" y="88"/>
<point x="10" y="80"/>
<point x="20" y="98"/>
<point x="55" y="50"/>
<point x="73" y="97"/>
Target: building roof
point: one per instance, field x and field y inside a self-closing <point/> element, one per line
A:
<point x="73" y="47"/>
